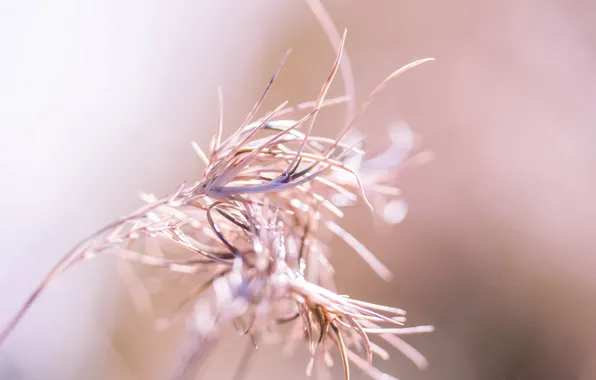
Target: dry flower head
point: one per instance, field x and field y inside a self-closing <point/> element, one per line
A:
<point x="252" y="224"/>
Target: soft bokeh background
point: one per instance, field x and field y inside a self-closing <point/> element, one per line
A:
<point x="99" y="100"/>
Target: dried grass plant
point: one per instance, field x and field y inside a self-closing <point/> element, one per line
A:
<point x="252" y="226"/>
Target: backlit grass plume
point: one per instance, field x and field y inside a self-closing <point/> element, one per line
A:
<point x="252" y="227"/>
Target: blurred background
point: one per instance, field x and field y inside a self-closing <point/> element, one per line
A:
<point x="99" y="100"/>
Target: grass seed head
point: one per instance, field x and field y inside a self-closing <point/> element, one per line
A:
<point x="253" y="225"/>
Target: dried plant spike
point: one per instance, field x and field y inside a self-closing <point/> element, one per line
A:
<point x="380" y="269"/>
<point x="342" y="349"/>
<point x="200" y="153"/>
<point x="250" y="235"/>
<point x="216" y="139"/>
<point x="322" y="95"/>
<point x="255" y="108"/>
<point x="336" y="41"/>
<point x="374" y="93"/>
<point x="401" y="331"/>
